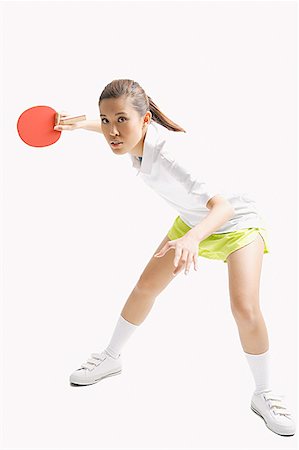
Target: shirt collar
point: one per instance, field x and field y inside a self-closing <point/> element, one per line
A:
<point x="149" y="145"/>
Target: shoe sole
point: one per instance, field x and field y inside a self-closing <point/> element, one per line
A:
<point x="78" y="383"/>
<point x="258" y="413"/>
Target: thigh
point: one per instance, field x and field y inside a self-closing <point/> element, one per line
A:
<point x="158" y="272"/>
<point x="244" y="272"/>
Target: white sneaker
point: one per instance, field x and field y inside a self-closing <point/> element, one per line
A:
<point x="270" y="407"/>
<point x="97" y="367"/>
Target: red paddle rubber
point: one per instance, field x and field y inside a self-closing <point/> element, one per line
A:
<point x="35" y="126"/>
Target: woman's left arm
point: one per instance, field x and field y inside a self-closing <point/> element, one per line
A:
<point x="220" y="212"/>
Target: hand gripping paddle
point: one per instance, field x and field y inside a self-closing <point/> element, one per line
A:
<point x="36" y="125"/>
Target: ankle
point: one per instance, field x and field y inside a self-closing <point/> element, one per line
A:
<point x="111" y="353"/>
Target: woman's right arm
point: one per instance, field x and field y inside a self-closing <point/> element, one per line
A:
<point x="90" y="125"/>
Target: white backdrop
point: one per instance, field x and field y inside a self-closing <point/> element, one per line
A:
<point x="79" y="226"/>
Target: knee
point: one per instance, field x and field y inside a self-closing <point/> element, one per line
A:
<point x="145" y="287"/>
<point x="245" y="313"/>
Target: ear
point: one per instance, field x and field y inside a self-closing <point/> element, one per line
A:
<point x="148" y="117"/>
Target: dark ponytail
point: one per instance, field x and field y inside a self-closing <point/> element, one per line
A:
<point x="140" y="101"/>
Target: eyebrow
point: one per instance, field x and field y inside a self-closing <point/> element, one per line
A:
<point x="115" y="114"/>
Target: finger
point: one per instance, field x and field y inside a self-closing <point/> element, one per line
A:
<point x="195" y="259"/>
<point x="64" y="127"/>
<point x="163" y="250"/>
<point x="68" y="127"/>
<point x="182" y="261"/>
<point x="178" y="253"/>
<point x="179" y="269"/>
<point x="188" y="263"/>
<point x="185" y="260"/>
<point x="159" y="253"/>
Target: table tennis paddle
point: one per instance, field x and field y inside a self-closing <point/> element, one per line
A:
<point x="36" y="125"/>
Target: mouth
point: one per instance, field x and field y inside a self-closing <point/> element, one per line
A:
<point x="116" y="143"/>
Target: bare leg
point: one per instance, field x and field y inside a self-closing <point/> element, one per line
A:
<point x="155" y="277"/>
<point x="244" y="266"/>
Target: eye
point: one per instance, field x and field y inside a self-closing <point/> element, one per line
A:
<point x="121" y="117"/>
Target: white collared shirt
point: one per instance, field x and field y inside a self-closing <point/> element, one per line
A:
<point x="187" y="194"/>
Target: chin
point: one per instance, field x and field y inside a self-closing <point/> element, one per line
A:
<point x="119" y="152"/>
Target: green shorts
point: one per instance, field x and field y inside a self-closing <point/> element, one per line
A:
<point x="219" y="246"/>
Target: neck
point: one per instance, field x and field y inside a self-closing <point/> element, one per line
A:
<point x="138" y="150"/>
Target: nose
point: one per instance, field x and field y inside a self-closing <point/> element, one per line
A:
<point x="113" y="133"/>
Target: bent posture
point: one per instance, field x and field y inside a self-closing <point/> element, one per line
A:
<point x="209" y="224"/>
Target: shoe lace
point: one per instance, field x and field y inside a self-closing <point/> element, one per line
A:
<point x="94" y="360"/>
<point x="276" y="404"/>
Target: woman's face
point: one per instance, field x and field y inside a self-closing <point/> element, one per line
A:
<point x="121" y="122"/>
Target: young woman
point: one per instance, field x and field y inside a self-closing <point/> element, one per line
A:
<point x="209" y="225"/>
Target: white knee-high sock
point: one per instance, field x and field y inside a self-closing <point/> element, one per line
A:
<point x="121" y="334"/>
<point x="259" y="365"/>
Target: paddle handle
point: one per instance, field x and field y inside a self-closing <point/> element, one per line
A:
<point x="69" y="120"/>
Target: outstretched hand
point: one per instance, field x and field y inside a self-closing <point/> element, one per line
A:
<point x="186" y="252"/>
